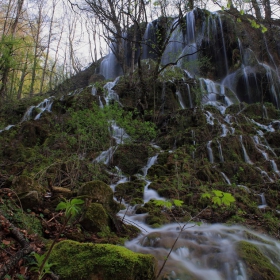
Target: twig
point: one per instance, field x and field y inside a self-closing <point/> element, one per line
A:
<point x="174" y="243"/>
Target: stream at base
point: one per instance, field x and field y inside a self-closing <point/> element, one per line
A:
<point x="202" y="252"/>
<point x="205" y="252"/>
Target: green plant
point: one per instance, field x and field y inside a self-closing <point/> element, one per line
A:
<point x="39" y="259"/>
<point x="71" y="209"/>
<point x="219" y="198"/>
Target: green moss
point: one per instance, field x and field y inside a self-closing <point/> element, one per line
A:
<point x="131" y="192"/>
<point x="95" y="218"/>
<point x="100" y="261"/>
<point x="98" y="191"/>
<point x="258" y="266"/>
<point x="20" y="218"/>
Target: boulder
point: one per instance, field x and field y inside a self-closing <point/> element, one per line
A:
<point x="87" y="261"/>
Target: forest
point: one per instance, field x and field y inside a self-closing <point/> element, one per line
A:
<point x="139" y="140"/>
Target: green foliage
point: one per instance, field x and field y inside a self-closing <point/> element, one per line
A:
<point x="136" y="128"/>
<point x="168" y="203"/>
<point x="39" y="259"/>
<point x="254" y="24"/>
<point x="219" y="197"/>
<point x="71" y="207"/>
<point x="87" y="130"/>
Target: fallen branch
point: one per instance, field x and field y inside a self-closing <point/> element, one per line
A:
<point x="26" y="248"/>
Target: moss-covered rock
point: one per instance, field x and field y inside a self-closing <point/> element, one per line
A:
<point x="86" y="261"/>
<point x="99" y="192"/>
<point x="131" y="158"/>
<point x="95" y="218"/>
<point x="258" y="265"/>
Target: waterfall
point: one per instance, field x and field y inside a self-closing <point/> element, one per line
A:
<point x="224" y="45"/>
<point x="8" y="127"/>
<point x="93" y="90"/>
<point x="225" y="130"/>
<point x="111" y="94"/>
<point x="263" y="201"/>
<point x="110" y="68"/>
<point x="257" y="143"/>
<point x="178" y="93"/>
<point x="274" y="167"/>
<point x="189" y="95"/>
<point x="220" y="152"/>
<point x="210" y="152"/>
<point x="226" y="178"/>
<point x="209" y="117"/>
<point x="246" y="157"/>
<point x="106" y="156"/>
<point x="45" y="105"/>
<point x="151" y="162"/>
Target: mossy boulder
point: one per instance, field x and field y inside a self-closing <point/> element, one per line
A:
<point x="99" y="192"/>
<point x="87" y="261"/>
<point x="257" y="264"/>
<point x="29" y="192"/>
<point x="95" y="218"/>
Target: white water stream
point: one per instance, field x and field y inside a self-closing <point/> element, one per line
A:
<point x="205" y="252"/>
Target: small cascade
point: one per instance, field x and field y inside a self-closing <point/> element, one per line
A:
<point x="264" y="127"/>
<point x="220" y="152"/>
<point x="100" y="102"/>
<point x="227" y="180"/>
<point x="151" y="162"/>
<point x="246" y="157"/>
<point x="44" y="106"/>
<point x="257" y="144"/>
<point x="225" y="130"/>
<point x="8" y="127"/>
<point x="150" y="193"/>
<point x="111" y="94"/>
<point x="118" y="133"/>
<point x="265" y="175"/>
<point x="93" y="91"/>
<point x="265" y="115"/>
<point x="263" y="201"/>
<point x="106" y="156"/>
<point x="210" y="152"/>
<point x="120" y="136"/>
<point x="274" y="167"/>
<point x="75" y="92"/>
<point x="209" y="117"/>
<point x="178" y="93"/>
<point x="189" y="95"/>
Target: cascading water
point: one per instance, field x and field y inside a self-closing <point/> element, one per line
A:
<point x="44" y="106"/>
<point x="246" y="157"/>
<point x="220" y="152"/>
<point x="210" y="152"/>
<point x="201" y="252"/>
